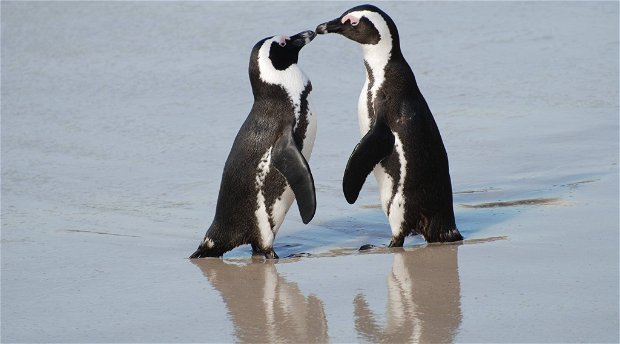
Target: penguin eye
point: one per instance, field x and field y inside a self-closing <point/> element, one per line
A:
<point x="354" y="23"/>
<point x="282" y="44"/>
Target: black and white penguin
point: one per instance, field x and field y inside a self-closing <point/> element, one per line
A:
<point x="267" y="166"/>
<point x="401" y="141"/>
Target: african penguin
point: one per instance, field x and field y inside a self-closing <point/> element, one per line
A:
<point x="401" y="141"/>
<point x="267" y="166"/>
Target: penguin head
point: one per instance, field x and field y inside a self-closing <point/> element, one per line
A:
<point x="274" y="59"/>
<point x="365" y="24"/>
<point x="281" y="51"/>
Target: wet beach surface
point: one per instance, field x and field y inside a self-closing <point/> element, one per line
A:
<point x="117" y="118"/>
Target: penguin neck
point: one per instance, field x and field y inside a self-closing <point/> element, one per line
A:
<point x="376" y="58"/>
<point x="378" y="55"/>
<point x="292" y="79"/>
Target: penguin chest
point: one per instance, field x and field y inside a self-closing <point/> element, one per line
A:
<point x="375" y="78"/>
<point x="391" y="173"/>
<point x="305" y="122"/>
<point x="363" y="115"/>
<point x="309" y="134"/>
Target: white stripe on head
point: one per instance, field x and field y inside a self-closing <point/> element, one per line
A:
<point x="376" y="55"/>
<point x="292" y="79"/>
<point x="381" y="49"/>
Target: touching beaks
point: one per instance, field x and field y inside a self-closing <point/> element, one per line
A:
<point x="302" y="38"/>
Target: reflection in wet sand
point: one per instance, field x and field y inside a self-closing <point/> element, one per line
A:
<point x="265" y="307"/>
<point x="423" y="299"/>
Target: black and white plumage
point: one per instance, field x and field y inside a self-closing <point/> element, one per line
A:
<point x="401" y="141"/>
<point x="267" y="166"/>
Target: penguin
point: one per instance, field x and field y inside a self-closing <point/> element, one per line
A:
<point x="267" y="167"/>
<point x="400" y="141"/>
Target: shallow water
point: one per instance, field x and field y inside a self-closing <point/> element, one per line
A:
<point x="117" y="119"/>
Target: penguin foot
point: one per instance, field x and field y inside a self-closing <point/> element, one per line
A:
<point x="268" y="254"/>
<point x="397" y="242"/>
<point x="271" y="255"/>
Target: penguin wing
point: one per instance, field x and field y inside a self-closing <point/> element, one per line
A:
<point x="289" y="161"/>
<point x="374" y="147"/>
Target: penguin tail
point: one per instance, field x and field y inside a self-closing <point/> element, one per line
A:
<point x="450" y="235"/>
<point x="207" y="248"/>
<point x="442" y="230"/>
<point x="203" y="251"/>
<point x="197" y="254"/>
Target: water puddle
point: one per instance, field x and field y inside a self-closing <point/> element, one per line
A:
<point x="99" y="233"/>
<point x="579" y="183"/>
<point x="517" y="203"/>
<point x="349" y="251"/>
<point x="465" y="192"/>
<point x="370" y="206"/>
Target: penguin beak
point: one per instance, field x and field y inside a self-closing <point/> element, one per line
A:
<point x="333" y="26"/>
<point x="302" y="38"/>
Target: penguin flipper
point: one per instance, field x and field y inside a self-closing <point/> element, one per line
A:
<point x="289" y="161"/>
<point x="374" y="147"/>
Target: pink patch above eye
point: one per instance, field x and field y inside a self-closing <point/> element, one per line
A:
<point x="354" y="20"/>
<point x="283" y="40"/>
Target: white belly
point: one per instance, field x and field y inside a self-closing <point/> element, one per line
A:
<point x="261" y="213"/>
<point x="284" y="202"/>
<point x="395" y="213"/>
<point x="310" y="132"/>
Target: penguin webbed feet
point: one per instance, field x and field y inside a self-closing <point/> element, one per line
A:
<point x="397" y="242"/>
<point x="267" y="254"/>
<point x="271" y="254"/>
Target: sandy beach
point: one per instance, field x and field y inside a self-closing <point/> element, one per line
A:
<point x="117" y="118"/>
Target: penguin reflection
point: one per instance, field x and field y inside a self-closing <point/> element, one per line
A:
<point x="265" y="308"/>
<point x="423" y="299"/>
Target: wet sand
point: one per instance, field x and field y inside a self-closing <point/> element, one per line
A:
<point x="117" y="118"/>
